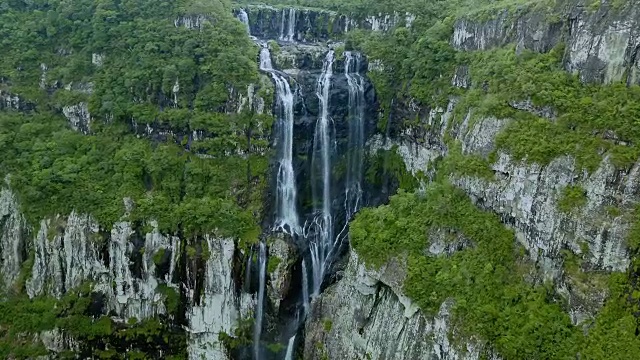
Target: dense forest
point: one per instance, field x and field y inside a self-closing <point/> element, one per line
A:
<point x="180" y="68"/>
<point x="131" y="65"/>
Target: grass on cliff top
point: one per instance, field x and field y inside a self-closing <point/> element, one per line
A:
<point x="592" y="120"/>
<point x="492" y="300"/>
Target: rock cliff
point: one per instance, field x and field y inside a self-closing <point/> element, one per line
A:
<point x="370" y="308"/>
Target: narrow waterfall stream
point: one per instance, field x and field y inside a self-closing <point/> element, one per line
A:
<point x="355" y="151"/>
<point x="321" y="230"/>
<point x="244" y="18"/>
<point x="288" y="25"/>
<point x="262" y="259"/>
<point x="287" y="214"/>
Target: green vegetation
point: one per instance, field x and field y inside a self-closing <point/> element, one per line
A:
<point x="273" y="264"/>
<point x="133" y="63"/>
<point x="572" y="197"/>
<point x="386" y="166"/>
<point x="98" y="335"/>
<point x="243" y="335"/>
<point x="56" y="170"/>
<point x="327" y="325"/>
<point x="592" y="119"/>
<point x="486" y="281"/>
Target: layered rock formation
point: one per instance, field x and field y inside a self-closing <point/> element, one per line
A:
<point x="369" y="307"/>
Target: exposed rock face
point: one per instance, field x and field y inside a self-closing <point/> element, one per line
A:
<point x="280" y="253"/>
<point x="365" y="316"/>
<point x="97" y="59"/>
<point x="310" y="26"/>
<point x="526" y="197"/>
<point x="66" y="255"/>
<point x="127" y="267"/>
<point x="194" y="21"/>
<point x="13" y="232"/>
<point x="530" y="31"/>
<point x="602" y="46"/>
<point x="221" y="306"/>
<point x="266" y="22"/>
<point x="78" y="116"/>
<point x="14" y="102"/>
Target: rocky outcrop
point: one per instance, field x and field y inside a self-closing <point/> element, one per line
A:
<point x="78" y="116"/>
<point x="526" y="196"/>
<point x="14" y="102"/>
<point x="312" y="26"/>
<point x="193" y="21"/>
<point x="220" y="308"/>
<point x="281" y="257"/>
<point x="366" y="316"/>
<point x="131" y="269"/>
<point x="13" y="233"/>
<point x="602" y="45"/>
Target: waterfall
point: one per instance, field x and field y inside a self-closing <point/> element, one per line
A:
<point x="290" y="25"/>
<point x="287" y="215"/>
<point x="353" y="185"/>
<point x="257" y="331"/>
<point x="244" y="18"/>
<point x="289" y="354"/>
<point x="282" y="23"/>
<point x="322" y="242"/>
<point x="305" y="287"/>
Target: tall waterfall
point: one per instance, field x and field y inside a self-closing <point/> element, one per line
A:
<point x="289" y="26"/>
<point x="257" y="331"/>
<point x="323" y="144"/>
<point x="287" y="215"/>
<point x="353" y="185"/>
<point x="244" y="18"/>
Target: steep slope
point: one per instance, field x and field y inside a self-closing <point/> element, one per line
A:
<point x="135" y="155"/>
<point x="153" y="206"/>
<point x="529" y="111"/>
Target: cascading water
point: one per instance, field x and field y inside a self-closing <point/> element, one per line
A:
<point x="289" y="354"/>
<point x="244" y="18"/>
<point x="305" y="287"/>
<point x="290" y="25"/>
<point x="262" y="259"/>
<point x="287" y="215"/>
<point x="323" y="144"/>
<point x="353" y="185"/>
<point x="286" y="212"/>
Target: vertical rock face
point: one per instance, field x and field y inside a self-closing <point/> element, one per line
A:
<point x="66" y="255"/>
<point x="194" y="21"/>
<point x="14" y="102"/>
<point x="602" y="46"/>
<point x="128" y="267"/>
<point x="312" y="26"/>
<point x="13" y="233"/>
<point x="221" y="306"/>
<point x="365" y="316"/>
<point x="299" y="25"/>
<point x="78" y="116"/>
